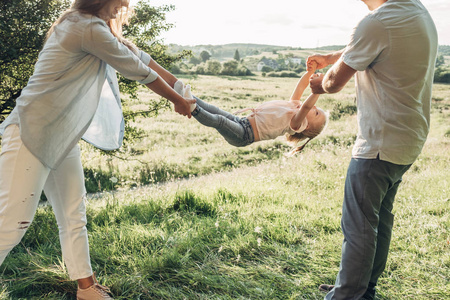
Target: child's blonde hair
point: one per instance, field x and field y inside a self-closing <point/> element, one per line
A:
<point x="309" y="133"/>
<point x="93" y="7"/>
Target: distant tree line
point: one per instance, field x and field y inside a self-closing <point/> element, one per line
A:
<point x="442" y="72"/>
<point x="227" y="51"/>
<point x="204" y="65"/>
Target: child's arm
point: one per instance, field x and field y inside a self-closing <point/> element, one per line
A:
<point x="309" y="103"/>
<point x="302" y="84"/>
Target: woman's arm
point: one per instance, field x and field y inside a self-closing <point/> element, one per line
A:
<point x="99" y="41"/>
<point x="166" y="75"/>
<point x="162" y="88"/>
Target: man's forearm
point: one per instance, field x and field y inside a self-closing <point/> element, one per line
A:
<point x="332" y="58"/>
<point x="337" y="77"/>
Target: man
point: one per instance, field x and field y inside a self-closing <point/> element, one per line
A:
<point x="392" y="52"/>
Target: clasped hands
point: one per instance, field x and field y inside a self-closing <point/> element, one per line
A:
<point x="314" y="62"/>
<point x="183" y="108"/>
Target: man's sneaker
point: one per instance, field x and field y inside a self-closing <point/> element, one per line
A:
<point x="370" y="292"/>
<point x="368" y="295"/>
<point x="326" y="287"/>
<point x="94" y="292"/>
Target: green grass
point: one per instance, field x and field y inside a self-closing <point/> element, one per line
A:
<point x="219" y="222"/>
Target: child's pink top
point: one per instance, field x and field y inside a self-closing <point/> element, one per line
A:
<point x="273" y="118"/>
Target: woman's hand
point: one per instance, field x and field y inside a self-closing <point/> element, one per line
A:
<point x="184" y="107"/>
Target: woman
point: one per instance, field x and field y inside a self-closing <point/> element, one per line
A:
<point x="66" y="99"/>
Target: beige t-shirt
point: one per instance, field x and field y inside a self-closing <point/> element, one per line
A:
<point x="394" y="51"/>
<point x="273" y="118"/>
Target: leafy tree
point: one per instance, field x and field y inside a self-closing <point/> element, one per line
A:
<point x="200" y="69"/>
<point x="230" y="68"/>
<point x="195" y="60"/>
<point x="144" y="28"/>
<point x="266" y="69"/>
<point x="440" y="61"/>
<point x="213" y="67"/>
<point x="444" y="50"/>
<point x="205" y="55"/>
<point x="24" y="24"/>
<point x="233" y="68"/>
<point x="237" y="57"/>
<point x="175" y="69"/>
<point x="442" y="75"/>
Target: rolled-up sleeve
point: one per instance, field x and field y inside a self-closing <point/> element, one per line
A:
<point x="145" y="57"/>
<point x="100" y="42"/>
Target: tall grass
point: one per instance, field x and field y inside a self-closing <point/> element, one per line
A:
<point x="219" y="222"/>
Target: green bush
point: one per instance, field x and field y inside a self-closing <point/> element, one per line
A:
<point x="233" y="68"/>
<point x="175" y="69"/>
<point x="442" y="75"/>
<point x="282" y="74"/>
<point x="213" y="67"/>
<point x="340" y="110"/>
<point x="267" y="69"/>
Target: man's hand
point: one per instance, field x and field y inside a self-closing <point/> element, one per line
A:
<point x="315" y="82"/>
<point x="316" y="61"/>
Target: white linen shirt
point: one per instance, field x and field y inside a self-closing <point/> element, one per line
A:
<point x="394" y="51"/>
<point x="60" y="101"/>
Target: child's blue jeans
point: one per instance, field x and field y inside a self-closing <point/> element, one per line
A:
<point x="237" y="131"/>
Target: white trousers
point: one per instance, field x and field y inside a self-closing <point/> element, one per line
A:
<point x="22" y="179"/>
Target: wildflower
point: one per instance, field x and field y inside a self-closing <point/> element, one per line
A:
<point x="113" y="179"/>
<point x="258" y="229"/>
<point x="217" y="224"/>
<point x="259" y="242"/>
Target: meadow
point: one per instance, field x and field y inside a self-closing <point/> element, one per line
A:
<point x="183" y="215"/>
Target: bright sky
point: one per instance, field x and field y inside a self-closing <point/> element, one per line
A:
<point x="303" y="24"/>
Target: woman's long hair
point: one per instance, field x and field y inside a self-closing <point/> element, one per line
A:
<point x="93" y="7"/>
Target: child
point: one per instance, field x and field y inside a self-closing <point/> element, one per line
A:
<point x="267" y="121"/>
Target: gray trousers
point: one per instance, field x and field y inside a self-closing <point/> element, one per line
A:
<point x="237" y="131"/>
<point x="367" y="221"/>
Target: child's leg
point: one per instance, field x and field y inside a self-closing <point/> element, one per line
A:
<point x="232" y="130"/>
<point x="214" y="109"/>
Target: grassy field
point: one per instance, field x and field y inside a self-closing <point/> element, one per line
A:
<point x="192" y="217"/>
